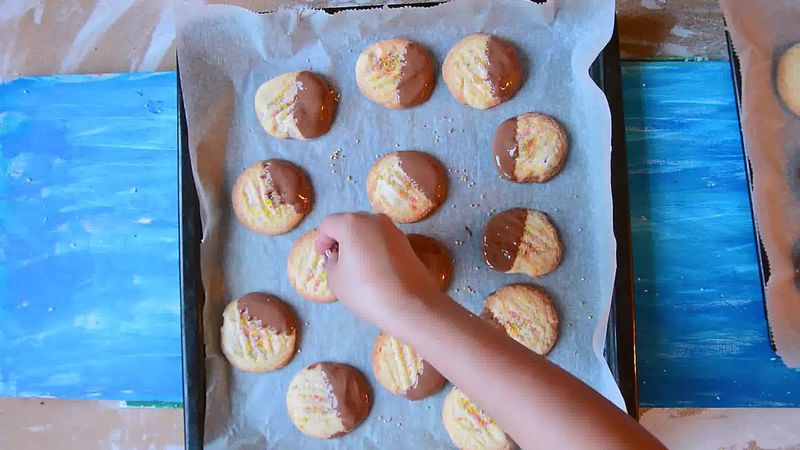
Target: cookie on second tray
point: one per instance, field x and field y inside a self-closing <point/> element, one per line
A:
<point x="526" y="313"/>
<point x="529" y="148"/>
<point x="297" y="105"/>
<point x="521" y="240"/>
<point x="482" y="71"/>
<point x="396" y="73"/>
<point x="788" y="78"/>
<point x="306" y="270"/>
<point x="327" y="400"/>
<point x="407" y="186"/>
<point x="271" y="197"/>
<point x="259" y="333"/>
<point x="435" y="256"/>
<point x="402" y="371"/>
<point x="469" y="427"/>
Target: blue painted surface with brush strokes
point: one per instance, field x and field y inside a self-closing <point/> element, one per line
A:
<point x="88" y="230"/>
<point x="88" y="227"/>
<point x="701" y="327"/>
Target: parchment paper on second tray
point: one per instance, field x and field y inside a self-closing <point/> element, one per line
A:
<point x="226" y="52"/>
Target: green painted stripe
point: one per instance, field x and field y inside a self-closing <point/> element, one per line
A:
<point x="152" y="404"/>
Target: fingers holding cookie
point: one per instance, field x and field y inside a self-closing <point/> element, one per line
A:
<point x="271" y="197"/>
<point x="521" y="240"/>
<point x="306" y="270"/>
<point x="396" y="73"/>
<point x="328" y="400"/>
<point x="259" y="333"/>
<point x="296" y="105"/>
<point x="526" y="313"/>
<point x="482" y="71"/>
<point x="407" y="186"/>
<point x="529" y="148"/>
<point x="400" y="370"/>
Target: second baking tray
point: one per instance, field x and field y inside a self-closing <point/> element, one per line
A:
<point x="620" y="336"/>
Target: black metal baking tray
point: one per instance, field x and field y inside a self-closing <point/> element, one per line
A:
<point x="763" y="261"/>
<point x="620" y="336"/>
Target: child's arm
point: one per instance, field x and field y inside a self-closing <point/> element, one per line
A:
<point x="377" y="275"/>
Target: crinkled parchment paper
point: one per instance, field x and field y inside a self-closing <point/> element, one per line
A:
<point x="762" y="31"/>
<point x="225" y="53"/>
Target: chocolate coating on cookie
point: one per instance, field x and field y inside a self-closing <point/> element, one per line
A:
<point x="416" y="76"/>
<point x="350" y="390"/>
<point x="429" y="382"/>
<point x="426" y="173"/>
<point x="434" y="256"/>
<point x="289" y="184"/>
<point x="313" y="111"/>
<point x="504" y="70"/>
<point x="269" y="310"/>
<point x="505" y="148"/>
<point x="502" y="237"/>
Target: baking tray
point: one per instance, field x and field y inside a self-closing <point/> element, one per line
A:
<point x="763" y="261"/>
<point x="620" y="336"/>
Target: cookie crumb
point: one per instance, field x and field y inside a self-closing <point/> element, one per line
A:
<point x="357" y="141"/>
<point x="468" y="231"/>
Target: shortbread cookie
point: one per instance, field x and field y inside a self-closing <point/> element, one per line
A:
<point x="271" y="197"/>
<point x="529" y="148"/>
<point x="297" y="105"/>
<point x="306" y="269"/>
<point x="407" y="186"/>
<point x="482" y="71"/>
<point x="521" y="241"/>
<point x="526" y="313"/>
<point x="328" y="400"/>
<point x="402" y="371"/>
<point x="259" y="333"/>
<point x="434" y="256"/>
<point x="396" y="73"/>
<point x="469" y="427"/>
<point x="788" y="78"/>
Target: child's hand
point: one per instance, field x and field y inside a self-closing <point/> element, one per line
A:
<point x="372" y="268"/>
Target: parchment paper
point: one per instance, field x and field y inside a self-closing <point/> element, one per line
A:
<point x="762" y="31"/>
<point x="225" y="53"/>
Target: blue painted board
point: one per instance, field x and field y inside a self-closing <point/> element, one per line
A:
<point x="701" y="328"/>
<point x="89" y="303"/>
